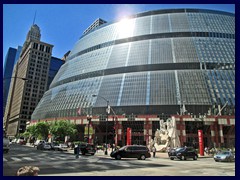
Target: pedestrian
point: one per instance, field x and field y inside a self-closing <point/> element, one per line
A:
<point x="154" y="151"/>
<point x="28" y="171"/>
<point x="206" y="150"/>
<point x="77" y="151"/>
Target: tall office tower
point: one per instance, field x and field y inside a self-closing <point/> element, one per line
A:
<point x="24" y="96"/>
<point x="7" y="73"/>
<point x="10" y="60"/>
<point x="55" y="65"/>
<point x="19" y="50"/>
<point x="98" y="22"/>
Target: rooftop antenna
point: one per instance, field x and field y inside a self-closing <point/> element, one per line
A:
<point x="34" y="17"/>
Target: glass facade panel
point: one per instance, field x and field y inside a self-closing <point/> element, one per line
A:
<point x="134" y="90"/>
<point x="163" y="88"/>
<point x="161" y="51"/>
<point x="193" y="88"/>
<point x="160" y="24"/>
<point x="151" y="63"/>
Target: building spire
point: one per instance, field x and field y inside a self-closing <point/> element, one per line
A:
<point x="34" y="17"/>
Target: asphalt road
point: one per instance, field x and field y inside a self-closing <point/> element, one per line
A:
<point x="56" y="163"/>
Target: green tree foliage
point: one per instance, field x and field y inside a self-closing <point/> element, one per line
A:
<point x="31" y="130"/>
<point x="62" y="128"/>
<point x="42" y="130"/>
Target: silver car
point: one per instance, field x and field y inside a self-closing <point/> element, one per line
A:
<point x="60" y="147"/>
<point x="224" y="156"/>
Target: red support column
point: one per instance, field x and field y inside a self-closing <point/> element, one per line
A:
<point x="129" y="136"/>
<point x="201" y="143"/>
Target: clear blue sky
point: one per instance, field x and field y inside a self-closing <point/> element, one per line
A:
<point x="62" y="24"/>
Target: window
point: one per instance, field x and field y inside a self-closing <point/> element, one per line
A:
<point x="41" y="47"/>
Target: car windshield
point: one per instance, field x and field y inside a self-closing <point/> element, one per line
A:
<point x="179" y="149"/>
<point x="122" y="148"/>
<point x="225" y="153"/>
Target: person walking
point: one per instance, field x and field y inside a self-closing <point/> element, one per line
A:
<point x="154" y="151"/>
<point x="77" y="151"/>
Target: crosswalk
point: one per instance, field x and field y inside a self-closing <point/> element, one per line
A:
<point x="57" y="160"/>
<point x="37" y="158"/>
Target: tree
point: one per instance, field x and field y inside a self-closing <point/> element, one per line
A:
<point x="32" y="130"/>
<point x="42" y="130"/>
<point x="62" y="128"/>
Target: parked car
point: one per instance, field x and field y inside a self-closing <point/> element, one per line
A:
<point x="87" y="149"/>
<point x="14" y="141"/>
<point x="224" y="156"/>
<point x="44" y="146"/>
<point x="38" y="142"/>
<point x="6" y="144"/>
<point x="60" y="147"/>
<point x="21" y="141"/>
<point x="183" y="153"/>
<point x="53" y="144"/>
<point x="131" y="151"/>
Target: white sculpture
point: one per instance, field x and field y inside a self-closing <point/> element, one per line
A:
<point x="166" y="136"/>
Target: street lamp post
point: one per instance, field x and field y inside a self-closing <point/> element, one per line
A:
<point x="11" y="99"/>
<point x="89" y="118"/>
<point x="107" y="111"/>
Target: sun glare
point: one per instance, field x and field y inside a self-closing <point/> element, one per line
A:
<point x="125" y="28"/>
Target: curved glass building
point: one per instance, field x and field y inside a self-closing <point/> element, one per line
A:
<point x="150" y="63"/>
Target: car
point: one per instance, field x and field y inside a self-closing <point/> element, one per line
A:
<point x="131" y="151"/>
<point x="182" y="153"/>
<point x="44" y="146"/>
<point x="87" y="149"/>
<point x="38" y="142"/>
<point x="60" y="147"/>
<point x="6" y="144"/>
<point x="21" y="141"/>
<point x="224" y="156"/>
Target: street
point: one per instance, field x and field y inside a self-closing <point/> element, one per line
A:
<point x="57" y="163"/>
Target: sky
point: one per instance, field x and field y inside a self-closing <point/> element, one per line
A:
<point x="63" y="24"/>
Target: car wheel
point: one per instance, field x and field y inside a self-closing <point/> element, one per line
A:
<point x="142" y="157"/>
<point x="171" y="158"/>
<point x="195" y="157"/>
<point x="118" y="157"/>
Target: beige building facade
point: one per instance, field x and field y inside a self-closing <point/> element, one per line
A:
<point x="24" y="95"/>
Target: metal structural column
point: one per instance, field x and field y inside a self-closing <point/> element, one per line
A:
<point x="213" y="137"/>
<point x="147" y="130"/>
<point x="221" y="134"/>
<point x="119" y="132"/>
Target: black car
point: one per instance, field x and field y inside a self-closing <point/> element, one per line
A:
<point x="87" y="149"/>
<point x="183" y="153"/>
<point x="131" y="151"/>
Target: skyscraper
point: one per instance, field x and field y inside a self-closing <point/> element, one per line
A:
<point x="10" y="60"/>
<point x="146" y="65"/>
<point x="7" y="73"/>
<point x="33" y="65"/>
